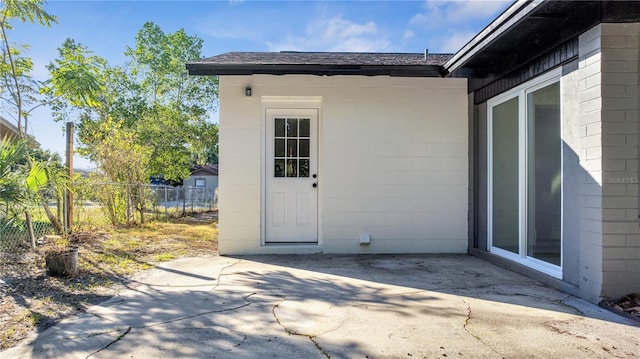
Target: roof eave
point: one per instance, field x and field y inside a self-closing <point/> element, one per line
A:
<point x="9" y="125"/>
<point x="204" y="68"/>
<point x="509" y="18"/>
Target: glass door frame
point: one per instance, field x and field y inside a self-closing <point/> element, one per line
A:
<point x="521" y="92"/>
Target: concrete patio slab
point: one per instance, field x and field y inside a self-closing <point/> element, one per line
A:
<point x="322" y="306"/>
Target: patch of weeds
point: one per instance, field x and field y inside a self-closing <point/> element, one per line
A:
<point x="7" y="337"/>
<point x="200" y="233"/>
<point x="61" y="242"/>
<point x="127" y="265"/>
<point x="132" y="243"/>
<point x="107" y="258"/>
<point x="45" y="300"/>
<point x="112" y="242"/>
<point x="76" y="286"/>
<point x="19" y="327"/>
<point x="163" y="257"/>
<point x="34" y="318"/>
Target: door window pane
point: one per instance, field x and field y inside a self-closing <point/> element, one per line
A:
<point x="292" y="148"/>
<point x="292" y="168"/>
<point x="278" y="168"/>
<point x="304" y="168"/>
<point x="304" y="148"/>
<point x="279" y="124"/>
<point x="544" y="174"/>
<point x="279" y="148"/>
<point x="305" y="127"/>
<point x="505" y="176"/>
<point x="292" y="127"/>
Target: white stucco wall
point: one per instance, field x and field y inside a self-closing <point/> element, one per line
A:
<point x="393" y="162"/>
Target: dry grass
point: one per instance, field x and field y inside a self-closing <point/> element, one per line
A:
<point x="32" y="301"/>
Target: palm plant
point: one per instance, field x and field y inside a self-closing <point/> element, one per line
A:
<point x="25" y="183"/>
<point x="12" y="174"/>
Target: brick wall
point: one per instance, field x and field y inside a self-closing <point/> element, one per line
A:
<point x="590" y="154"/>
<point x="619" y="91"/>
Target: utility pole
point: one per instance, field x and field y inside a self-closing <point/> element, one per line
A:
<point x="68" y="198"/>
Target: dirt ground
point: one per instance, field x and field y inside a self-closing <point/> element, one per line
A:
<point x="31" y="300"/>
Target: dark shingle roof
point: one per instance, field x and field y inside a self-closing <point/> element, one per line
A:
<point x="208" y="169"/>
<point x="320" y="63"/>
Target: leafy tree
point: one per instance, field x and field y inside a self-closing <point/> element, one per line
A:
<point x="76" y="81"/>
<point x="174" y="118"/>
<point x="152" y="97"/>
<point x="123" y="163"/>
<point x="17" y="87"/>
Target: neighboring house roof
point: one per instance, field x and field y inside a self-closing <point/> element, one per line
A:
<point x="206" y="170"/>
<point x="527" y="29"/>
<point x="321" y="63"/>
<point x="7" y="128"/>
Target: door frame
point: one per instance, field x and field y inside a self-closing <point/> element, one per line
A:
<point x="289" y="103"/>
<point x="521" y="92"/>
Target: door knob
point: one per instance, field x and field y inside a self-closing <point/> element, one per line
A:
<point x="314" y="175"/>
<point x="314" y="185"/>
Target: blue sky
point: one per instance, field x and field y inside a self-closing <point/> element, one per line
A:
<point x="108" y="27"/>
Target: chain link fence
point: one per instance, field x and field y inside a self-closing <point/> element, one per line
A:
<point x="134" y="203"/>
<point x="101" y="204"/>
<point x="185" y="199"/>
<point x="14" y="233"/>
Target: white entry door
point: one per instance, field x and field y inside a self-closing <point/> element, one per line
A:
<point x="291" y="185"/>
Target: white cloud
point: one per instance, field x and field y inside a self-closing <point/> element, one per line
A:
<point x="456" y="11"/>
<point x="465" y="10"/>
<point x="340" y="29"/>
<point x="447" y="25"/>
<point x="407" y="35"/>
<point x="228" y="30"/>
<point x="335" y="34"/>
<point x="454" y="42"/>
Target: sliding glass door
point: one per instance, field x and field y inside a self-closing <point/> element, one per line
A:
<point x="525" y="170"/>
<point x="544" y="174"/>
<point x="505" y="176"/>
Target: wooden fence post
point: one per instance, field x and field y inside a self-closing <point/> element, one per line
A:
<point x="68" y="221"/>
<point x="32" y="237"/>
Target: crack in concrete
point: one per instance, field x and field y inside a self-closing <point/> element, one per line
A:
<point x="151" y="326"/>
<point x="466" y="329"/>
<point x="564" y="302"/>
<point x="293" y="332"/>
<point x="244" y="335"/>
<point x="111" y="343"/>
<point x="222" y="270"/>
<point x="195" y="315"/>
<point x="142" y="327"/>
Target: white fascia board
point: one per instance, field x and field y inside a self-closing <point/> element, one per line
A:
<point x="497" y="27"/>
